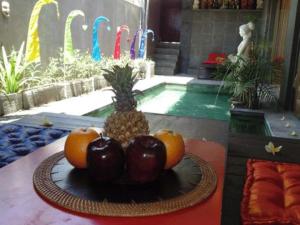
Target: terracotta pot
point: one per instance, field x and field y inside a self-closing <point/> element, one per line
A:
<point x="10" y="103"/>
<point x="40" y="95"/>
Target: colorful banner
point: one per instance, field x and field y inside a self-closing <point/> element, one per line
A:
<point x="143" y="42"/>
<point x="96" y="53"/>
<point x="32" y="53"/>
<point x="68" y="42"/>
<point x="117" y="52"/>
<point x="132" y="48"/>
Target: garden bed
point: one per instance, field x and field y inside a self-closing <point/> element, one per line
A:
<point x="26" y="85"/>
<point x="49" y="93"/>
<point x="42" y="95"/>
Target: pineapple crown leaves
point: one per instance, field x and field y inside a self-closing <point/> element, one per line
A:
<point x="122" y="79"/>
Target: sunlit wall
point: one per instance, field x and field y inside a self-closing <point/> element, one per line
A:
<point x="13" y="30"/>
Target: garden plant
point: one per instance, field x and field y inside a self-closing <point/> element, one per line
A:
<point x="250" y="81"/>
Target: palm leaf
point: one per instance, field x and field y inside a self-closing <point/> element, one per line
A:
<point x="249" y="80"/>
<point x="7" y="66"/>
<point x="18" y="66"/>
<point x="13" y="71"/>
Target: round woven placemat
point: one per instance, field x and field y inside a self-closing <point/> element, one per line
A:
<point x="50" y="191"/>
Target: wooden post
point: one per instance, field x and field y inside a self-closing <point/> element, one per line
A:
<point x="291" y="57"/>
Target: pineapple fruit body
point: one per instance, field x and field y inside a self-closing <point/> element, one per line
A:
<point x="126" y="122"/>
<point x="123" y="126"/>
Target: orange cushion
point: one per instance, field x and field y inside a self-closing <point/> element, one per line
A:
<point x="271" y="194"/>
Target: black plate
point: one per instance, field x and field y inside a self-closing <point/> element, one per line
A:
<point x="181" y="179"/>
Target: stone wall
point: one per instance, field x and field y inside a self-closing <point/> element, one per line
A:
<point x="13" y="30"/>
<point x="206" y="31"/>
<point x="154" y="24"/>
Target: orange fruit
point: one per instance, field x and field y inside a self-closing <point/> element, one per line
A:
<point x="174" y="145"/>
<point x="76" y="146"/>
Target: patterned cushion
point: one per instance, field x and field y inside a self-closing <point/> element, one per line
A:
<point x="17" y="141"/>
<point x="271" y="194"/>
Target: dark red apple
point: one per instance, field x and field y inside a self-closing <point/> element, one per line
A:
<point x="105" y="159"/>
<point x="145" y="158"/>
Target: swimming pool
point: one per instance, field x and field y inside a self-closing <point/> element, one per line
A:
<point x="192" y="100"/>
<point x="249" y="125"/>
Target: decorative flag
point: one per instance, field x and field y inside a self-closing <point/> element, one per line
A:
<point x="117" y="52"/>
<point x="96" y="54"/>
<point x="132" y="48"/>
<point x="32" y="53"/>
<point x="68" y="43"/>
<point x="143" y="40"/>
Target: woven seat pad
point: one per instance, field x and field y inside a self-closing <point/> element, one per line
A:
<point x="271" y="193"/>
<point x="45" y="187"/>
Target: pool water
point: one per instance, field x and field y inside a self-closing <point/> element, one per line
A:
<point x="249" y="125"/>
<point x="191" y="100"/>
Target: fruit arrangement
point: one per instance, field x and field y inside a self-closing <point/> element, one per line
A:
<point x="141" y="161"/>
<point x="125" y="148"/>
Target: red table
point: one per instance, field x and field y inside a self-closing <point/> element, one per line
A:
<point x="20" y="205"/>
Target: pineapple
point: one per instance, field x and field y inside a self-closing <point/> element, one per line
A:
<point x="126" y="122"/>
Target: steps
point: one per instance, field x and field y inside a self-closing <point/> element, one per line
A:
<point x="166" y="57"/>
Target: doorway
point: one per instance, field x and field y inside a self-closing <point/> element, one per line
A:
<point x="170" y="20"/>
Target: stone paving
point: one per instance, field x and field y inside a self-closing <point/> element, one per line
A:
<point x="283" y="124"/>
<point x="89" y="102"/>
<point x="83" y="104"/>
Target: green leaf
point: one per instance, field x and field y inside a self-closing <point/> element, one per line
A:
<point x="19" y="59"/>
<point x="7" y="66"/>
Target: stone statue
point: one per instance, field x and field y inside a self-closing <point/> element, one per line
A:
<point x="196" y="4"/>
<point x="260" y="4"/>
<point x="244" y="47"/>
<point x="5" y="6"/>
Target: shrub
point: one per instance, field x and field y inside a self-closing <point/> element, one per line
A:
<point x="84" y="66"/>
<point x="15" y="73"/>
<point x="250" y="81"/>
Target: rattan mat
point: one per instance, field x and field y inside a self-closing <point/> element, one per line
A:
<point x="51" y="192"/>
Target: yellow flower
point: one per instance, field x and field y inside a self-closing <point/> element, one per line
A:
<point x="270" y="148"/>
<point x="294" y="133"/>
<point x="46" y="122"/>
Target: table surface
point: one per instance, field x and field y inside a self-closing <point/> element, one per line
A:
<point x="20" y="204"/>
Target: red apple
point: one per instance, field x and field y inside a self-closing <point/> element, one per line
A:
<point x="105" y="159"/>
<point x="145" y="158"/>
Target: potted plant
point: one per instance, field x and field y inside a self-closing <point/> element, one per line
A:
<point x="13" y="80"/>
<point x="144" y="67"/>
<point x="81" y="76"/>
<point x="250" y="81"/>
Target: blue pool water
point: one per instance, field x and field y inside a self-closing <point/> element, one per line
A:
<point x="181" y="100"/>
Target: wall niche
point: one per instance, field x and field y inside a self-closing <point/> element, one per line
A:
<point x="206" y="31"/>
